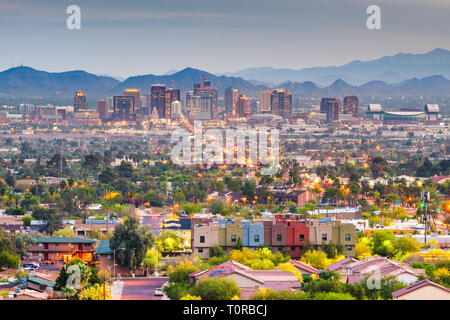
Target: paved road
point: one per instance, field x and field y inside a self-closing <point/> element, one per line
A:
<point x="141" y="288"/>
<point x="154" y="221"/>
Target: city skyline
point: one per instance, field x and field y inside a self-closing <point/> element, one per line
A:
<point x="304" y="30"/>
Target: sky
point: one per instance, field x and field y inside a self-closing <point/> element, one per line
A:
<point x="134" y="37"/>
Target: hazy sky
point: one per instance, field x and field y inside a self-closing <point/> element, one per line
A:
<point x="134" y="37"/>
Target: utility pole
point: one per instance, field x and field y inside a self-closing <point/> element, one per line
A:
<point x="60" y="162"/>
<point x="425" y="195"/>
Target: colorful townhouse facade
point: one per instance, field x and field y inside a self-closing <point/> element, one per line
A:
<point x="285" y="232"/>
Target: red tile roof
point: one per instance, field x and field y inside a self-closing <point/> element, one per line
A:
<point x="304" y="266"/>
<point x="341" y="263"/>
<point x="415" y="286"/>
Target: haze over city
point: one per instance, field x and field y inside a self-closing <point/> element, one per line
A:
<point x="215" y="36"/>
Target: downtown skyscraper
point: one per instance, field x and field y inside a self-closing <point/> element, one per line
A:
<point x="281" y="103"/>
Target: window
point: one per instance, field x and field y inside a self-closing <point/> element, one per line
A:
<point x="280" y="248"/>
<point x="289" y="224"/>
<point x="324" y="237"/>
<point x="347" y="237"/>
<point x="200" y="250"/>
<point x="202" y="239"/>
<point x="348" y="248"/>
<point x="292" y="248"/>
<point x="233" y="238"/>
<point x="302" y="237"/>
<point x="256" y="238"/>
<point x="279" y="237"/>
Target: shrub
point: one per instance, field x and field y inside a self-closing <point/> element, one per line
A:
<point x="176" y="291"/>
<point x="356" y="290"/>
<point x="189" y="297"/>
<point x="429" y="268"/>
<point x="9" y="260"/>
<point x="216" y="289"/>
<point x="333" y="296"/>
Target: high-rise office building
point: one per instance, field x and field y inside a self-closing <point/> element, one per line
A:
<point x="136" y="93"/>
<point x="79" y="101"/>
<point x="123" y="108"/>
<point x="265" y="100"/>
<point x="158" y="99"/>
<point x="281" y="103"/>
<point x="231" y="98"/>
<point x="102" y="109"/>
<point x="243" y="106"/>
<point x="332" y="107"/>
<point x="202" y="102"/>
<point x="171" y="96"/>
<point x="175" y="110"/>
<point x="351" y="105"/>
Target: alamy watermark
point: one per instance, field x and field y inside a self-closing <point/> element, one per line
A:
<point x="73" y="21"/>
<point x="253" y="147"/>
<point x="374" y="20"/>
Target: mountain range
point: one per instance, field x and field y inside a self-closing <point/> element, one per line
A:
<point x="25" y="84"/>
<point x="428" y="86"/>
<point x="391" y="69"/>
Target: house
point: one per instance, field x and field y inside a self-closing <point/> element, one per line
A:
<point x="341" y="267"/>
<point x="252" y="234"/>
<point x="385" y="267"/>
<point x="229" y="233"/>
<point x="299" y="197"/>
<point x="319" y="233"/>
<point x="40" y="284"/>
<point x="205" y="236"/>
<point x="104" y="260"/>
<point x="62" y="249"/>
<point x="297" y="233"/>
<point x="440" y="179"/>
<point x="248" y="280"/>
<point x="345" y="233"/>
<point x="422" y="290"/>
<point x="304" y="269"/>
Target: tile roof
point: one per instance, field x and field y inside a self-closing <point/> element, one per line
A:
<point x="225" y="267"/>
<point x="103" y="247"/>
<point x="417" y="285"/>
<point x="304" y="266"/>
<point x="341" y="263"/>
<point x="41" y="281"/>
<point x="64" y="240"/>
<point x="271" y="275"/>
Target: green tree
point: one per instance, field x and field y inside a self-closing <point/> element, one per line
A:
<point x="406" y="244"/>
<point x="135" y="239"/>
<point x="65" y="272"/>
<point x="217" y="207"/>
<point x="382" y="243"/>
<point x="169" y="241"/>
<point x="9" y="260"/>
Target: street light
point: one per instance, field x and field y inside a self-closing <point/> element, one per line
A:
<point x="114" y="254"/>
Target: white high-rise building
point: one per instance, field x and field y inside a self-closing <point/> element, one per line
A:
<point x="175" y="110"/>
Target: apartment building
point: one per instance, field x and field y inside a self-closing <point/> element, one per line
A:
<point x="297" y="233"/>
<point x="285" y="232"/>
<point x="252" y="234"/>
<point x="63" y="249"/>
<point x="205" y="237"/>
<point x="229" y="233"/>
<point x="319" y="233"/>
<point x="345" y="233"/>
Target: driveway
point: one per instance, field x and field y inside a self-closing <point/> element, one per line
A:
<point x="141" y="288"/>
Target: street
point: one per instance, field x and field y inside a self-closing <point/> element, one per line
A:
<point x="154" y="221"/>
<point x="141" y="288"/>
